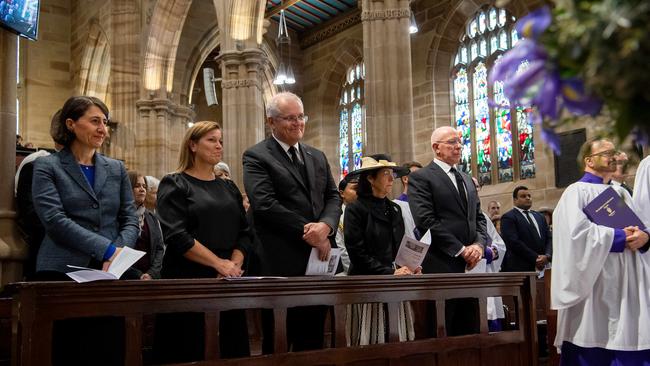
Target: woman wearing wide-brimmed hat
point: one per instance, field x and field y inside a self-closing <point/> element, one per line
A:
<point x="373" y="231"/>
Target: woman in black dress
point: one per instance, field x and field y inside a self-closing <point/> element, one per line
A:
<point x="373" y="231"/>
<point x="207" y="236"/>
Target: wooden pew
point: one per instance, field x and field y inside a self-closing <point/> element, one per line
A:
<point x="37" y="305"/>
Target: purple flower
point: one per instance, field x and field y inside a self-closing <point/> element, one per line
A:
<point x="550" y="137"/>
<point x="508" y="65"/>
<point x="517" y="85"/>
<point x="535" y="23"/>
<point x="546" y="99"/>
<point x="576" y="100"/>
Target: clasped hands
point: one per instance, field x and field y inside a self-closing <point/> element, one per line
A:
<point x="472" y="254"/>
<point x="635" y="238"/>
<point x="315" y="234"/>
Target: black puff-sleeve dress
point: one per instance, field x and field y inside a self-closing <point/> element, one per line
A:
<point x="211" y="212"/>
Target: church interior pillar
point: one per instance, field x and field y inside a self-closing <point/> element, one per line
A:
<point x="12" y="247"/>
<point x="388" y="81"/>
<point x="243" y="106"/>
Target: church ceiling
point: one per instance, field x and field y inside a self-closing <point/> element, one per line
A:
<point x="304" y="15"/>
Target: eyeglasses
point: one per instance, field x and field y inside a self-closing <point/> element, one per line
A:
<point x="390" y="172"/>
<point x="607" y="154"/>
<point x="451" y="142"/>
<point x="298" y="118"/>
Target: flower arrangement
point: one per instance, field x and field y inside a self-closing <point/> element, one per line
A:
<point x="585" y="57"/>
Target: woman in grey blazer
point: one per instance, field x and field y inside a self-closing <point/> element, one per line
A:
<point x="85" y="203"/>
<point x="83" y="199"/>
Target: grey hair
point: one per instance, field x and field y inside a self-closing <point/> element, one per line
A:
<point x="223" y="167"/>
<point x="273" y="110"/>
<point x="152" y="182"/>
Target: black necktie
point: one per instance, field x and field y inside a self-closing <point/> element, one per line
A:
<point x="530" y="221"/>
<point x="297" y="163"/>
<point x="461" y="187"/>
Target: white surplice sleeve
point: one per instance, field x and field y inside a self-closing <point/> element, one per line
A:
<point x="642" y="190"/>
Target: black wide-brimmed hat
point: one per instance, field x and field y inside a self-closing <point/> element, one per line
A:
<point x="379" y="161"/>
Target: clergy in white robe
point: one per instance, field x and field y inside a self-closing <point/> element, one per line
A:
<point x="642" y="189"/>
<point x="496" y="251"/>
<point x="601" y="276"/>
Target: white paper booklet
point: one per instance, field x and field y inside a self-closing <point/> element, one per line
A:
<point x="316" y="267"/>
<point x="123" y="261"/>
<point x="411" y="252"/>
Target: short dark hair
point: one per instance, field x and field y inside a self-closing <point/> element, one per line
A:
<point x="411" y="164"/>
<point x="133" y="178"/>
<point x="347" y="180"/>
<point x="73" y="108"/>
<point x="516" y="191"/>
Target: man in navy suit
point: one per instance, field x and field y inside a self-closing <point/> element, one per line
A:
<point x="527" y="235"/>
<point x="296" y="207"/>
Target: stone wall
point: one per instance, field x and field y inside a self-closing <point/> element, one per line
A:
<point x="45" y="72"/>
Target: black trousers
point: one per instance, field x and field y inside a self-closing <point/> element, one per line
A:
<point x="180" y="337"/>
<point x="461" y="317"/>
<point x="305" y="328"/>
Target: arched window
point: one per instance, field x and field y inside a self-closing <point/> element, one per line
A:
<point x="352" y="117"/>
<point x="489" y="150"/>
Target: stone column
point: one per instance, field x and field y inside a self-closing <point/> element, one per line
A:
<point x="161" y="127"/>
<point x="125" y="79"/>
<point x="243" y="106"/>
<point x="12" y="248"/>
<point x="388" y="82"/>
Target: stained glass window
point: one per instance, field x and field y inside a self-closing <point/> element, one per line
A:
<point x="352" y="120"/>
<point x="482" y="123"/>
<point x="503" y="126"/>
<point x="461" y="95"/>
<point x="497" y="140"/>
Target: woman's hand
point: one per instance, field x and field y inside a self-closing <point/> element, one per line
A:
<point x="107" y="263"/>
<point x="146" y="276"/>
<point x="403" y="271"/>
<point x="228" y="268"/>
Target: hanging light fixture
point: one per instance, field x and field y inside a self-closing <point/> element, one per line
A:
<point x="281" y="75"/>
<point x="413" y="26"/>
<point x="284" y="74"/>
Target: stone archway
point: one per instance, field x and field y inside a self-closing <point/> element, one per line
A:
<point x="94" y="69"/>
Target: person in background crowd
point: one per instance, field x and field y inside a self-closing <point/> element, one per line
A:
<point x="85" y="203"/>
<point x="444" y="201"/>
<point x="411" y="166"/>
<point x="296" y="207"/>
<point x="29" y="145"/>
<point x="527" y="235"/>
<point x="600" y="276"/>
<point x="28" y="222"/>
<point x="222" y="170"/>
<point x="619" y="175"/>
<point x="495" y="250"/>
<point x="348" y="191"/>
<point x="548" y="216"/>
<point x="494" y="213"/>
<point x="19" y="141"/>
<point x="373" y="232"/>
<point x="207" y="236"/>
<point x="150" y="239"/>
<point x="152" y="193"/>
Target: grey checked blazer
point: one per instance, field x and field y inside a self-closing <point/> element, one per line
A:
<point x="81" y="222"/>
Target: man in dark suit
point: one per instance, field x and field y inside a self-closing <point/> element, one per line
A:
<point x="296" y="207"/>
<point x="445" y="201"/>
<point x="527" y="235"/>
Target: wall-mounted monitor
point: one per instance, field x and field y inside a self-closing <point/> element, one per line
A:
<point x="20" y="16"/>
